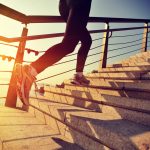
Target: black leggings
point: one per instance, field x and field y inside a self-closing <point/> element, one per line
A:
<point x="76" y="18"/>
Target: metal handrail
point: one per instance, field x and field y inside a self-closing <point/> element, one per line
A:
<point x="16" y="15"/>
<point x="35" y="37"/>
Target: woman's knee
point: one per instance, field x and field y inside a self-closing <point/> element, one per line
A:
<point x="69" y="45"/>
<point x="87" y="42"/>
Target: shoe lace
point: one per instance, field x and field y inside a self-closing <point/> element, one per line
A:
<point x="35" y="85"/>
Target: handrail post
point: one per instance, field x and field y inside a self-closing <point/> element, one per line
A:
<point x="11" y="99"/>
<point x="103" y="57"/>
<point x="145" y="37"/>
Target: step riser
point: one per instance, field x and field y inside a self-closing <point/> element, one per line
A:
<point x="123" y="93"/>
<point x="137" y="86"/>
<point x="135" y="116"/>
<point x="136" y="60"/>
<point x="124" y="77"/>
<point x="138" y="57"/>
<point x="145" y="80"/>
<point x="85" y="99"/>
<point x="69" y="133"/>
<point x="128" y="65"/>
<point x="125" y="69"/>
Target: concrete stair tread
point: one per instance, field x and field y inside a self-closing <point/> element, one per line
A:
<point x="56" y="117"/>
<point x="9" y="110"/>
<point x="41" y="143"/>
<point x="21" y="127"/>
<point x="126" y="134"/>
<point x="117" y="75"/>
<point x="58" y="110"/>
<point x="134" y="64"/>
<point x="22" y="131"/>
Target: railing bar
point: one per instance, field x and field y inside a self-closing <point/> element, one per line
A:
<point x="127" y="35"/>
<point x="123" y="53"/>
<point x="75" y="59"/>
<point x="2" y="97"/>
<point x="35" y="37"/>
<point x="58" y="19"/>
<point x="6" y="71"/>
<point x="128" y="42"/>
<point x="5" y="84"/>
<point x="71" y="54"/>
<point x="93" y="40"/>
<point x="64" y="72"/>
<point x="118" y="29"/>
<point x="9" y="45"/>
<point x="124" y="29"/>
<point x="98" y="39"/>
<point x="16" y="15"/>
<point x="64" y="62"/>
<point x="90" y="50"/>
<point x="77" y="53"/>
<point x="28" y="49"/>
<point x="89" y="55"/>
<point x="125" y="47"/>
<point x="56" y="75"/>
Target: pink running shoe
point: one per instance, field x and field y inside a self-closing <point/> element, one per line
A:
<point x="25" y="75"/>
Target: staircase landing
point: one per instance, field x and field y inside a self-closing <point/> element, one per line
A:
<point x="20" y="130"/>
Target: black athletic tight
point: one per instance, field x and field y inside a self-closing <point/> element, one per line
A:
<point x="75" y="13"/>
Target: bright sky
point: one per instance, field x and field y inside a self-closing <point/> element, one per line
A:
<point x="100" y="8"/>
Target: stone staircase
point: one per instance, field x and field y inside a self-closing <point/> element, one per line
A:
<point x="113" y="112"/>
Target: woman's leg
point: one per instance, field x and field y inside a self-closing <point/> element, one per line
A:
<point x="86" y="42"/>
<point x="54" y="54"/>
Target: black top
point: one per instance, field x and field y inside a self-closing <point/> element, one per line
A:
<point x="75" y="3"/>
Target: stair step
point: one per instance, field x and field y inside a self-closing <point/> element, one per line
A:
<point x="20" y="131"/>
<point x="111" y="85"/>
<point x="135" y="59"/>
<point x="57" y="94"/>
<point x="137" y="110"/>
<point x="99" y="127"/>
<point x="118" y="75"/>
<point x="125" y="134"/>
<point x="140" y="57"/>
<point x="118" y="84"/>
<point x="130" y="64"/>
<point x="132" y="90"/>
<point x="41" y="143"/>
<point x="143" y="68"/>
<point x="56" y="116"/>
